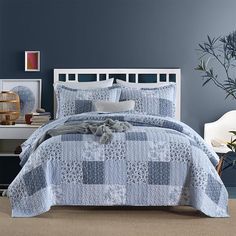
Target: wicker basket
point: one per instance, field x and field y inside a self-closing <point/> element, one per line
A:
<point x="9" y="107"/>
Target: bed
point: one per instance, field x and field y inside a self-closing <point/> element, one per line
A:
<point x="140" y="157"/>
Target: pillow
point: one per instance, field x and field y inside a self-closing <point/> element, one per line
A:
<point x="142" y="85"/>
<point x="104" y="106"/>
<point x="87" y="85"/>
<point x="75" y="101"/>
<point x="156" y="101"/>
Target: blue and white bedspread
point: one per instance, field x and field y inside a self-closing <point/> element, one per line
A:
<point x="158" y="162"/>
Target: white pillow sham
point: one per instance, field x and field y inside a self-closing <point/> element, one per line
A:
<point x="106" y="106"/>
<point x="142" y="85"/>
<point x="87" y="85"/>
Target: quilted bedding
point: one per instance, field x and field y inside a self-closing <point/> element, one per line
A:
<point x="158" y="162"/>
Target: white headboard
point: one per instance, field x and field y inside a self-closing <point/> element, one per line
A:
<point x="72" y="76"/>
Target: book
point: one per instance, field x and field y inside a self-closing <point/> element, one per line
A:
<point x="41" y="114"/>
<point x="39" y="121"/>
<point x="38" y="124"/>
<point x="40" y="118"/>
<point x="20" y="120"/>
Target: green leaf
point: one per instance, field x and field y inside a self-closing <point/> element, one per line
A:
<point x="206" y="82"/>
<point x="229" y="146"/>
<point x="199" y="68"/>
<point x="201" y="47"/>
<point x="228" y="94"/>
<point x="209" y="39"/>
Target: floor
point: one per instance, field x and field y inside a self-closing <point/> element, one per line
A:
<point x="104" y="221"/>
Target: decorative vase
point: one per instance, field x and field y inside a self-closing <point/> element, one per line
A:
<point x="9" y="107"/>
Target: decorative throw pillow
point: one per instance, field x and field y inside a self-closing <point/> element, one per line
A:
<point x="75" y="101"/>
<point x="104" y="106"/>
<point x="87" y="85"/>
<point x="157" y="101"/>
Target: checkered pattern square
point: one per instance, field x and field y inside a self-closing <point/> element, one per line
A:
<point x="158" y="173"/>
<point x="93" y="172"/>
<point x="83" y="106"/>
<point x="35" y="180"/>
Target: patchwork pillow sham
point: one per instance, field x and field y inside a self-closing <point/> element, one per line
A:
<point x="88" y="85"/>
<point x="75" y="101"/>
<point x="157" y="101"/>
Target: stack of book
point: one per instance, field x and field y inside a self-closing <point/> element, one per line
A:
<point x="20" y="120"/>
<point x="40" y="118"/>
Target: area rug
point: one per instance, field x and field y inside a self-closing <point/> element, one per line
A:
<point x="114" y="221"/>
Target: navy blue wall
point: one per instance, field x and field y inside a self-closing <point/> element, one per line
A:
<point x="117" y="33"/>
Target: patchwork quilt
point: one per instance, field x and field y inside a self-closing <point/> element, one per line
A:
<point x="158" y="162"/>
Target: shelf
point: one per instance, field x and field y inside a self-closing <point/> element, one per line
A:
<point x="18" y="131"/>
<point x="19" y="126"/>
<point x="9" y="155"/>
<point x="221" y="150"/>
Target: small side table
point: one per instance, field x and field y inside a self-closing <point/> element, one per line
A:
<point x="11" y="136"/>
<point x="221" y="151"/>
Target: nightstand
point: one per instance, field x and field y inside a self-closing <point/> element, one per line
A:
<point x="221" y="151"/>
<point x="11" y="136"/>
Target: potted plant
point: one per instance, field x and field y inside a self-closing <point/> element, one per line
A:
<point x="216" y="54"/>
<point x="218" y="66"/>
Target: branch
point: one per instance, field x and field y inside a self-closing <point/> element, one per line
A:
<point x="223" y="64"/>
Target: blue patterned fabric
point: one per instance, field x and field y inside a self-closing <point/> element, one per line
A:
<point x="159" y="161"/>
<point x="75" y="101"/>
<point x="156" y="101"/>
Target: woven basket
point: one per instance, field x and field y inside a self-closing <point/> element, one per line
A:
<point x="9" y="107"/>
